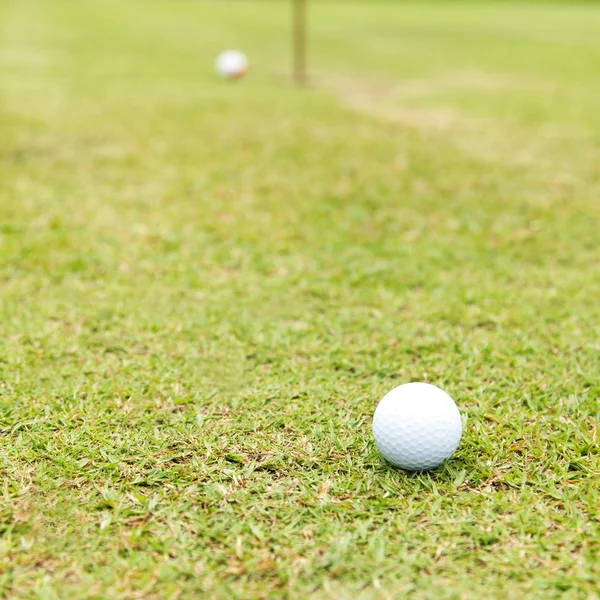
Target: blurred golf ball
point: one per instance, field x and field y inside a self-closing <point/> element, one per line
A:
<point x="231" y="64"/>
<point x="417" y="426"/>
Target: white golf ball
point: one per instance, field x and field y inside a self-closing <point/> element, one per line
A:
<point x="231" y="64"/>
<point x="417" y="426"/>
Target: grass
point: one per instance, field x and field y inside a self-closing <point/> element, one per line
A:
<point x="207" y="287"/>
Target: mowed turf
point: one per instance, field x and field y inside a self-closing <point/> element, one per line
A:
<point x="206" y="287"/>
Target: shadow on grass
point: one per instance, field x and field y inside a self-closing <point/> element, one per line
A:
<point x="453" y="474"/>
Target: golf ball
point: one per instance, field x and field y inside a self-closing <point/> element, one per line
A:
<point x="231" y="64"/>
<point x="417" y="426"/>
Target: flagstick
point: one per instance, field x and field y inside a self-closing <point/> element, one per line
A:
<point x="299" y="25"/>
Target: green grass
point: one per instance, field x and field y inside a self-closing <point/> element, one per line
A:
<point x="207" y="287"/>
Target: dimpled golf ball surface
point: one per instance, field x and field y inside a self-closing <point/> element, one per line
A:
<point x="417" y="426"/>
<point x="231" y="64"/>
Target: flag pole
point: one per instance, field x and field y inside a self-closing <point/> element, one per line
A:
<point x="299" y="35"/>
